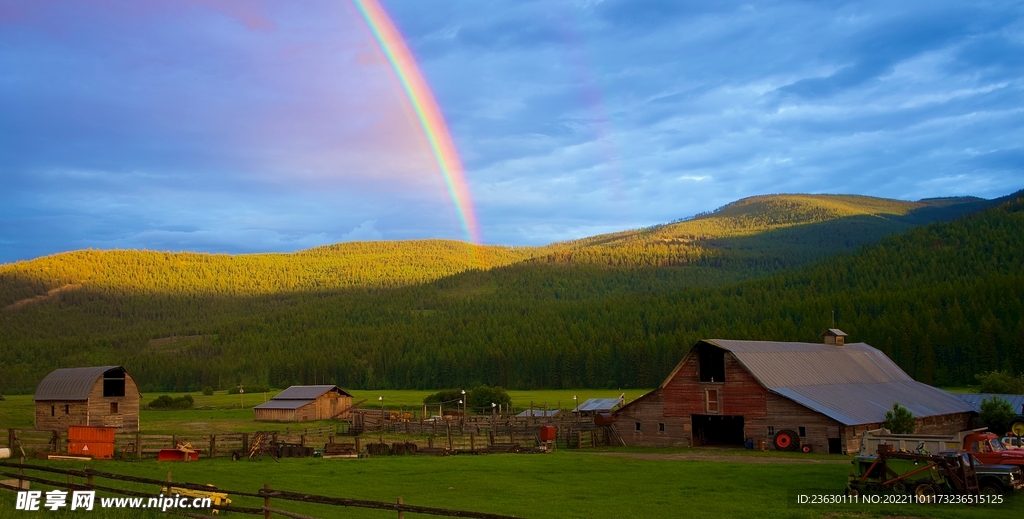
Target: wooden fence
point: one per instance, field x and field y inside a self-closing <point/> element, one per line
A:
<point x="457" y="435"/>
<point x="89" y="476"/>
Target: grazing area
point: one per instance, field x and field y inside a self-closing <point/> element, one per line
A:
<point x="564" y="484"/>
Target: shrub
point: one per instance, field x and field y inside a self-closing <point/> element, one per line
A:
<point x="899" y="420"/>
<point x="1001" y="382"/>
<point x="481" y="397"/>
<point x="165" y="402"/>
<point x="208" y="391"/>
<point x="996" y="414"/>
<point x="448" y="395"/>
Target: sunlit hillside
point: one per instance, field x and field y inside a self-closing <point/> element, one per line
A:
<point x="340" y="266"/>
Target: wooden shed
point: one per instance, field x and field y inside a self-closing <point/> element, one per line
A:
<point x="305" y="403"/>
<point x="822" y="396"/>
<point x="99" y="396"/>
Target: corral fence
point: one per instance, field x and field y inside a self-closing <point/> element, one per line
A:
<point x="426" y="437"/>
<point x="18" y="473"/>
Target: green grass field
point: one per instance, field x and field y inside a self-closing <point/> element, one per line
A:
<point x="565" y="484"/>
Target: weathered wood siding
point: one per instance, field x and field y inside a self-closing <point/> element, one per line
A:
<point x="58" y="415"/>
<point x="126" y="419"/>
<point x="275" y="415"/>
<point x="648" y="411"/>
<point x="94" y="412"/>
<point x="323" y="408"/>
<point x="784" y="413"/>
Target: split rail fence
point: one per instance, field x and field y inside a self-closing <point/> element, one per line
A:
<point x="89" y="476"/>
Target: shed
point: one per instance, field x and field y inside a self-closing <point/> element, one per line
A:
<point x="821" y="395"/>
<point x="98" y="396"/>
<point x="305" y="403"/>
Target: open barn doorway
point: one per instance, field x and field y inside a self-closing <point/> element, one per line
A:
<point x="717" y="430"/>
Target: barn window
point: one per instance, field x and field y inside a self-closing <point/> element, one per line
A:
<point x="712" y="363"/>
<point x="53" y="410"/>
<point x="711" y="400"/>
<point x="771" y="430"/>
<point x="637" y="426"/>
<point x="113" y="408"/>
<point x="803" y="431"/>
<point x="113" y="383"/>
<point x="661" y="427"/>
<point x="67" y="409"/>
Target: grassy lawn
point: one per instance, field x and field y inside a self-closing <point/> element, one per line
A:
<point x="564" y="484"/>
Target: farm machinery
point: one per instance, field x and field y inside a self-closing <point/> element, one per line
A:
<point x="923" y="474"/>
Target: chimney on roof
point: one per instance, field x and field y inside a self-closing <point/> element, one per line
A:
<point x="834" y="336"/>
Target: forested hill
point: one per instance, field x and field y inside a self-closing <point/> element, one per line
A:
<point x="944" y="299"/>
<point x="744" y="239"/>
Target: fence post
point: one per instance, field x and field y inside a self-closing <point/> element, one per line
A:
<point x="357" y="445"/>
<point x="245" y="444"/>
<point x="138" y="445"/>
<point x="401" y="514"/>
<point x="266" y="502"/>
<point x="10" y="440"/>
<point x="168" y="483"/>
<point x="302" y="440"/>
<point x="213" y="445"/>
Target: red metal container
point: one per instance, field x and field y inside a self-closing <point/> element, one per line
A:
<point x="83" y="433"/>
<point x="98" y="450"/>
<point x="604" y="419"/>
<point x="97" y="442"/>
<point x="547" y="433"/>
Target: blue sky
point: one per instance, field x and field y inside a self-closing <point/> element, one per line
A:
<point x="246" y="126"/>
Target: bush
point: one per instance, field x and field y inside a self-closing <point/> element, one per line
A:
<point x="899" y="420"/>
<point x="165" y="402"/>
<point x="1001" y="382"/>
<point x="249" y="389"/>
<point x="448" y="395"/>
<point x="481" y="397"/>
<point x="996" y="414"/>
<point x="208" y="391"/>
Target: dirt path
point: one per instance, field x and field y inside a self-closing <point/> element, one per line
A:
<point x="695" y="456"/>
<point x="51" y="294"/>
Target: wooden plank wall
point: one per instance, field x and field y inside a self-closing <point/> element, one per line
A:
<point x="649" y="412"/>
<point x="77" y="413"/>
<point x="127" y="417"/>
<point x="784" y="413"/>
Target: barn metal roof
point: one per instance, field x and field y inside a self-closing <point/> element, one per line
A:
<point x="853" y="384"/>
<point x="598" y="405"/>
<point x="70" y="383"/>
<point x="538" y="413"/>
<point x="283" y="404"/>
<point x="307" y="392"/>
<point x="974" y="400"/>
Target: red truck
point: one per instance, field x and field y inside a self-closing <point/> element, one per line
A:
<point x="986" y="447"/>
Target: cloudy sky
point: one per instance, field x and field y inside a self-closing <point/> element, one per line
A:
<point x="243" y="126"/>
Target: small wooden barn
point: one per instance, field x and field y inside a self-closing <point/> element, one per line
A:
<point x="820" y="395"/>
<point x="99" y="396"/>
<point x="305" y="403"/>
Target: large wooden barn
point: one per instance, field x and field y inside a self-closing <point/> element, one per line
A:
<point x="305" y="403"/>
<point x="104" y="396"/>
<point x="789" y="394"/>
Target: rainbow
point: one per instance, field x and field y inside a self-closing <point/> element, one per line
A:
<point x="427" y="111"/>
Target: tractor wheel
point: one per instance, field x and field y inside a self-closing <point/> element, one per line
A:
<point x="923" y="491"/>
<point x="991" y="488"/>
<point x="899" y="487"/>
<point x="1017" y="426"/>
<point x="853" y="490"/>
<point x="805" y="449"/>
<point x="235" y="456"/>
<point x="786" y="440"/>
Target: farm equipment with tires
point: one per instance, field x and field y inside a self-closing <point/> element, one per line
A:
<point x="788" y="440"/>
<point x="922" y="475"/>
